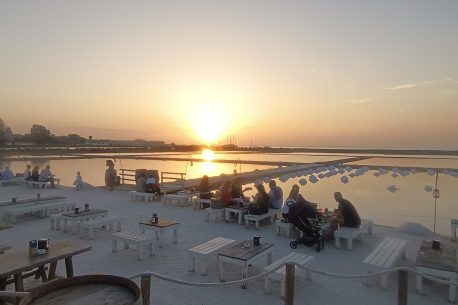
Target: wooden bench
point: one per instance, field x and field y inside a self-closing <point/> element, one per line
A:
<point x="279" y="225"/>
<point x="98" y="222"/>
<point x="386" y="255"/>
<point x="256" y="219"/>
<point x="11" y="213"/>
<point x="280" y="274"/>
<point x="454" y="226"/>
<point x="54" y="222"/>
<point x="180" y="200"/>
<point x="214" y="214"/>
<point x="352" y="233"/>
<point x="201" y="203"/>
<point x="134" y="195"/>
<point x="39" y="184"/>
<point x="203" y="251"/>
<point x="3" y="248"/>
<point x="141" y="241"/>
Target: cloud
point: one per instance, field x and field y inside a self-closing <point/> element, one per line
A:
<point x="419" y="84"/>
<point x="363" y="100"/>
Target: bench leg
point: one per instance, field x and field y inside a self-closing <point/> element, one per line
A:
<point x="337" y="242"/>
<point x="257" y="224"/>
<point x="267" y="288"/>
<point x="228" y="216"/>
<point x="203" y="267"/>
<point x="114" y="246"/>
<point x="140" y="252"/>
<point x="453" y="233"/>
<point x="221" y="270"/>
<point x="150" y="249"/>
<point x="384" y="281"/>
<point x="51" y="224"/>
<point x="350" y="243"/>
<point x="119" y="226"/>
<point x="282" y="287"/>
<point x="207" y="218"/>
<point x="192" y="263"/>
<point x="452" y="291"/>
<point x="240" y="218"/>
<point x="419" y="284"/>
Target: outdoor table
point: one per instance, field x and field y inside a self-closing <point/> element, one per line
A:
<point x="14" y="263"/>
<point x="440" y="263"/>
<point x="82" y="216"/>
<point x="237" y="209"/>
<point x="159" y="228"/>
<point x="238" y="255"/>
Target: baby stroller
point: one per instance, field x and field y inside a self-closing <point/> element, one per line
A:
<point x="305" y="217"/>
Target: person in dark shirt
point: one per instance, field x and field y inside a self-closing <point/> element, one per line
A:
<point x="260" y="203"/>
<point x="347" y="214"/>
<point x="237" y="190"/>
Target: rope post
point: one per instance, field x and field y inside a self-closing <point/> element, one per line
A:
<point x="402" y="287"/>
<point x="289" y="284"/>
<point x="146" y="289"/>
<point x="122" y="175"/>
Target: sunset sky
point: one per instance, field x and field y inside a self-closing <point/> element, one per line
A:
<point x="285" y="73"/>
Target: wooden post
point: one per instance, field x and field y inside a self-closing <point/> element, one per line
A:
<point x="402" y="287"/>
<point x="122" y="176"/>
<point x="289" y="284"/>
<point x="146" y="289"/>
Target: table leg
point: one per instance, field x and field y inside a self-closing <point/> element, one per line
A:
<point x="452" y="291"/>
<point x="244" y="275"/>
<point x="175" y="235"/>
<point x="240" y="218"/>
<point x="221" y="269"/>
<point x="18" y="284"/>
<point x="161" y="239"/>
<point x="2" y="288"/>
<point x="69" y="266"/>
<point x="42" y="273"/>
<point x="269" y="258"/>
<point x="419" y="284"/>
<point x="228" y="215"/>
<point x="52" y="270"/>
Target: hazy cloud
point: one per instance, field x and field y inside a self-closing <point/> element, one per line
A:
<point x="420" y="84"/>
<point x="363" y="100"/>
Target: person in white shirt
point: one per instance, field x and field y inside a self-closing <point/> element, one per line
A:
<point x="28" y="172"/>
<point x="151" y="185"/>
<point x="78" y="181"/>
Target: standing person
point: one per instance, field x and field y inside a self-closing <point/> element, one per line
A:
<point x="78" y="183"/>
<point x="141" y="184"/>
<point x="47" y="176"/>
<point x="275" y="195"/>
<point x="35" y="173"/>
<point x="28" y="172"/>
<point x="204" y="188"/>
<point x="260" y="203"/>
<point x="111" y="175"/>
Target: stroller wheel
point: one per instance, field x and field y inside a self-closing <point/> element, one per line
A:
<point x="293" y="244"/>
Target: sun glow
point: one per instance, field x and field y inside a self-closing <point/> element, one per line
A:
<point x="208" y="155"/>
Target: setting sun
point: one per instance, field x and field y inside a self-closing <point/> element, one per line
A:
<point x="208" y="155"/>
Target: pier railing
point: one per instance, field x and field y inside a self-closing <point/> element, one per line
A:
<point x="402" y="289"/>
<point x="127" y="175"/>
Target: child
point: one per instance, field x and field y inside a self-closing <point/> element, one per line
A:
<point x="78" y="181"/>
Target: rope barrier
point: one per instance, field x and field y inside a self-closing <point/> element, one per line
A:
<point x="265" y="273"/>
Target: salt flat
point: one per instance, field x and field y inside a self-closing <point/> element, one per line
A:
<point x="172" y="260"/>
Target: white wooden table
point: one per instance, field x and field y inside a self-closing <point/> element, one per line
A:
<point x="83" y="216"/>
<point x="160" y="228"/>
<point x="244" y="257"/>
<point x="440" y="263"/>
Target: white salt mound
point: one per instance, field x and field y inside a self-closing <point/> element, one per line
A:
<point x="415" y="229"/>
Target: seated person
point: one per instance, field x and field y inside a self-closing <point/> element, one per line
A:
<point x="35" y="173"/>
<point x="225" y="194"/>
<point x="7" y="174"/>
<point x="28" y="172"/>
<point x="47" y="176"/>
<point x="295" y="199"/>
<point x="152" y="185"/>
<point x="260" y="203"/>
<point x="276" y="195"/>
<point x="204" y="188"/>
<point x="237" y="190"/>
<point x="346" y="216"/>
<point x="141" y="184"/>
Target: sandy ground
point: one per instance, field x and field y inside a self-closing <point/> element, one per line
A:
<point x="172" y="260"/>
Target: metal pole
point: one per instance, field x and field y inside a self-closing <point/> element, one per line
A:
<point x="402" y="287"/>
<point x="435" y="203"/>
<point x="289" y="284"/>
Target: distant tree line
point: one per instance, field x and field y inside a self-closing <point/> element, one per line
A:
<point x="39" y="134"/>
